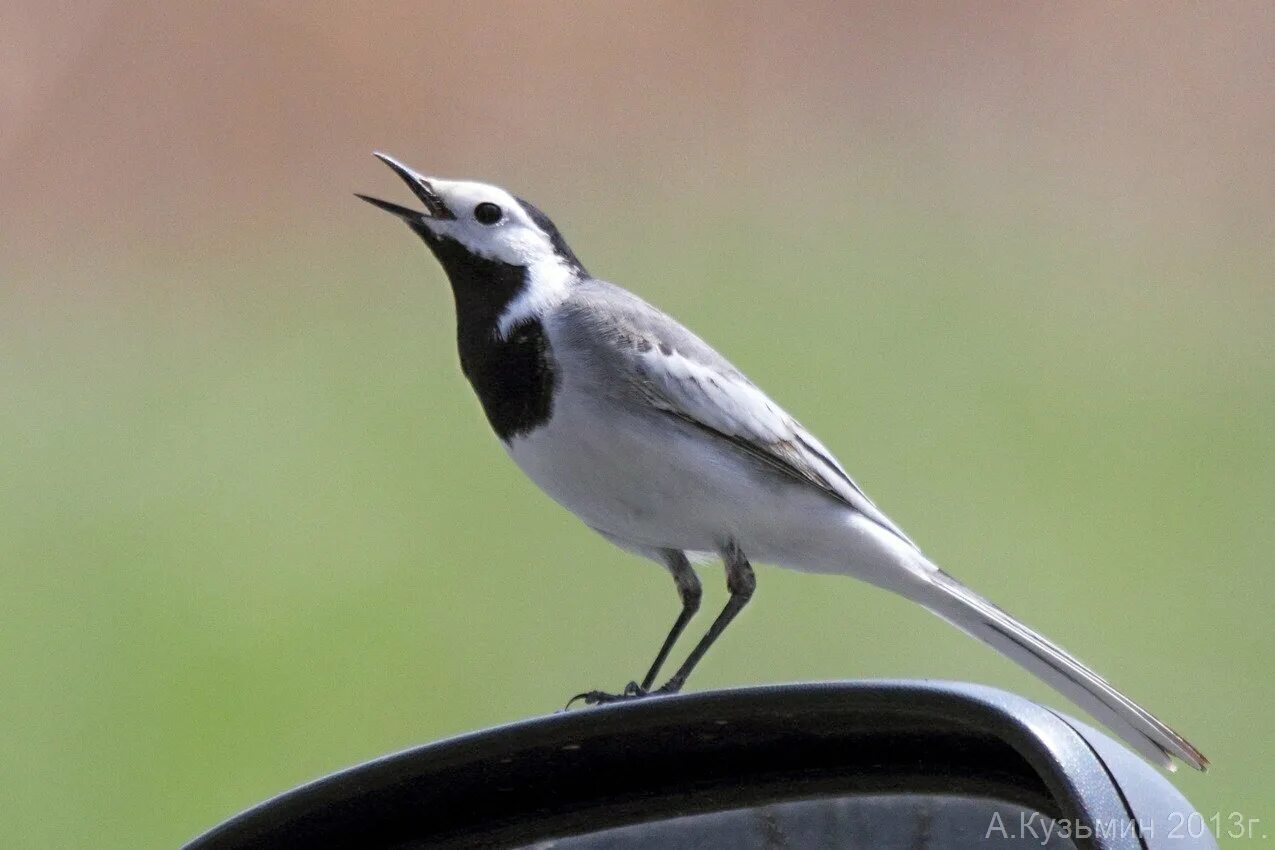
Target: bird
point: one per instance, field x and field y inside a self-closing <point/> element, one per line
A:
<point x="658" y="443"/>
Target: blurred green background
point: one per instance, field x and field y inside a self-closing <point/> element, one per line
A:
<point x="253" y="527"/>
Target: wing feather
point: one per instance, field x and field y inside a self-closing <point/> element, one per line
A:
<point x="683" y="376"/>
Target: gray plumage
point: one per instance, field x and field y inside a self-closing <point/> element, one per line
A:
<point x="634" y="349"/>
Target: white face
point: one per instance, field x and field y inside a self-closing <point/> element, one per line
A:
<point x="490" y="222"/>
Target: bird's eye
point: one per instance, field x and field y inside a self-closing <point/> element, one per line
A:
<point x="487" y="213"/>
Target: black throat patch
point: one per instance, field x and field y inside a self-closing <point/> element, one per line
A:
<point x="514" y="378"/>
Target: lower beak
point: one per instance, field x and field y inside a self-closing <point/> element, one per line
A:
<point x="434" y="206"/>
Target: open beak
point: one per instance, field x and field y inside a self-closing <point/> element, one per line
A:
<point x="434" y="206"/>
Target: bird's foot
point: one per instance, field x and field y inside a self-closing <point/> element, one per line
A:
<point x="631" y="691"/>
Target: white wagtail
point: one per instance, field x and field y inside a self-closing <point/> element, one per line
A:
<point x="655" y="441"/>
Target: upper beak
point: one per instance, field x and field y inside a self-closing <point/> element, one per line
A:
<point x="434" y="206"/>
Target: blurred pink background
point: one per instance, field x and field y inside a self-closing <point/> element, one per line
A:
<point x="184" y="122"/>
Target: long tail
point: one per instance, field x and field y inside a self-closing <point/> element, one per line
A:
<point x="974" y="615"/>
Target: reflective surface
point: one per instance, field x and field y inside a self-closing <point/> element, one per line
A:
<point x="872" y="821"/>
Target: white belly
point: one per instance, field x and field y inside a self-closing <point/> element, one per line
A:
<point x="609" y="471"/>
<point x="668" y="486"/>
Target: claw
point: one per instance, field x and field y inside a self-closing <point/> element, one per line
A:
<point x="586" y="696"/>
<point x="631" y="691"/>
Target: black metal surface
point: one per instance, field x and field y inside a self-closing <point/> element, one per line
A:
<point x="665" y="757"/>
<point x="904" y="821"/>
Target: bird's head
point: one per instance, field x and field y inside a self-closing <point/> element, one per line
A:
<point x="477" y="230"/>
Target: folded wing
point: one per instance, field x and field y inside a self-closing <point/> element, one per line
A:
<point x="683" y="376"/>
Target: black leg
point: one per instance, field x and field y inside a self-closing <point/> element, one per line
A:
<point x="688" y="588"/>
<point x="741" y="582"/>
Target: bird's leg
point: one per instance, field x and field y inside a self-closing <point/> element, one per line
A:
<point x="741" y="583"/>
<point x="688" y="588"/>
